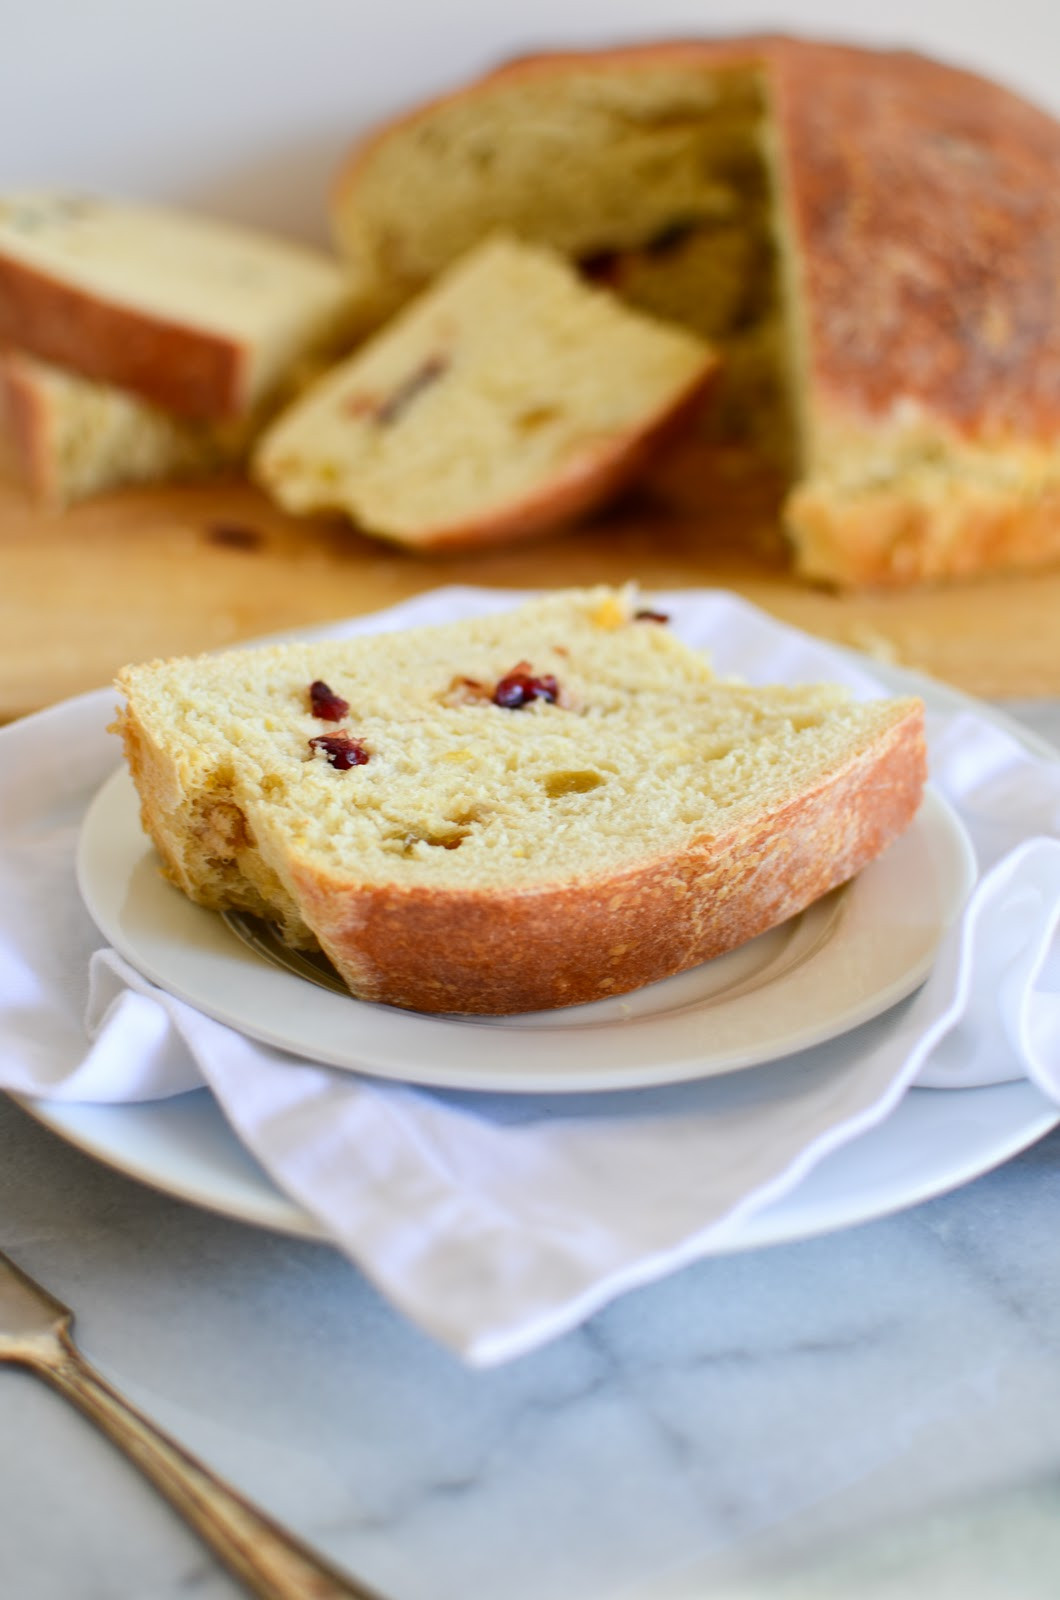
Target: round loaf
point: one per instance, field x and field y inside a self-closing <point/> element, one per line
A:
<point x="903" y="343"/>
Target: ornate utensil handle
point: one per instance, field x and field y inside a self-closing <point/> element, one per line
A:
<point x="270" y="1562"/>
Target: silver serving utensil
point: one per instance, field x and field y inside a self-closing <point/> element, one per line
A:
<point x="35" y="1333"/>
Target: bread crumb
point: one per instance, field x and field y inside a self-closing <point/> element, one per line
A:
<point x="861" y="636"/>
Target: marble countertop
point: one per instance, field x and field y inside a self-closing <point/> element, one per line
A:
<point x="875" y="1412"/>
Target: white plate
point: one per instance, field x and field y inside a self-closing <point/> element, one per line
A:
<point x="841" y="962"/>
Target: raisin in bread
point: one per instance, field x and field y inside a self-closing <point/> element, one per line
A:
<point x="527" y="810"/>
<point x="201" y="318"/>
<point x="509" y="398"/>
<point x="870" y="236"/>
<point x="68" y="438"/>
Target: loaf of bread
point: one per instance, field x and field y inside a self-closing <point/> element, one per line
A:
<point x="529" y="810"/>
<point x="68" y="438"/>
<point x="509" y="397"/>
<point x="200" y="318"/>
<point x="871" y="236"/>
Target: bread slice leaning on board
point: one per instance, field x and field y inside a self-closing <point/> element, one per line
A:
<point x="508" y="398"/>
<point x="201" y="318"/>
<point x="551" y="805"/>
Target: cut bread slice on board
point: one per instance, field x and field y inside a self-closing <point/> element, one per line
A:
<point x="508" y="399"/>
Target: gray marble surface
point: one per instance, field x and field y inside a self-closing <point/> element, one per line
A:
<point x="876" y="1412"/>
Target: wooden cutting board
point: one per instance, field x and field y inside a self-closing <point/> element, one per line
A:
<point x="168" y="570"/>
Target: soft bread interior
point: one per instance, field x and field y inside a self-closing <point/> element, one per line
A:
<point x="509" y="379"/>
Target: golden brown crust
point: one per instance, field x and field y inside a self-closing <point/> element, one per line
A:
<point x="890" y="539"/>
<point x="578" y="489"/>
<point x="188" y="371"/>
<point x="927" y="216"/>
<point x="502" y="952"/>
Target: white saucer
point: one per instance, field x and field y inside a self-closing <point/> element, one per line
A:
<point x="843" y="961"/>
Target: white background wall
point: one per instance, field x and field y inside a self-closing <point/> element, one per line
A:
<point x="243" y="106"/>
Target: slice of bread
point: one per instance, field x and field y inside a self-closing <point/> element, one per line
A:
<point x="509" y="398"/>
<point x="528" y="810"/>
<point x="201" y="318"/>
<point x="68" y="438"/>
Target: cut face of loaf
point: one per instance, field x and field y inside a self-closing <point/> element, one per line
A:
<point x="524" y="811"/>
<point x="871" y="238"/>
<point x="201" y="318"/>
<point x="509" y="398"/>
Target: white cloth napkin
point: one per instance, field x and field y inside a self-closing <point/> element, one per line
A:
<point x="498" y="1221"/>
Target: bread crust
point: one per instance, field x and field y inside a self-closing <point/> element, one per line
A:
<point x="890" y="540"/>
<point x="498" y="953"/>
<point x="937" y="280"/>
<point x="188" y="371"/>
